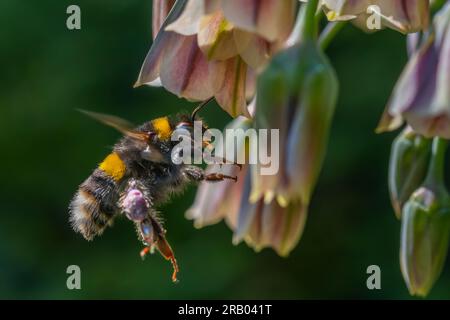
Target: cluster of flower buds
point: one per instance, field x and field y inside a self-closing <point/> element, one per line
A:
<point x="416" y="174"/>
<point x="420" y="199"/>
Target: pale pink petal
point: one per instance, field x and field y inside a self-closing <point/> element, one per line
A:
<point x="421" y="95"/>
<point x="253" y="49"/>
<point x="155" y="83"/>
<point x="188" y="23"/>
<point x="262" y="225"/>
<point x="296" y="215"/>
<point x="228" y="79"/>
<point x="345" y="9"/>
<point x="247" y="213"/>
<point x="164" y="42"/>
<point x="271" y="19"/>
<point x="151" y="67"/>
<point x="215" y="37"/>
<point x="250" y="85"/>
<point x="161" y="9"/>
<point x="405" y="15"/>
<point x="216" y="201"/>
<point x="184" y="70"/>
<point x="389" y="122"/>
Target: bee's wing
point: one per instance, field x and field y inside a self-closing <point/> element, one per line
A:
<point x="150" y="153"/>
<point x="117" y="123"/>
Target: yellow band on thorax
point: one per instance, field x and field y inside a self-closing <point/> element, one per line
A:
<point x="162" y="128"/>
<point x="113" y="166"/>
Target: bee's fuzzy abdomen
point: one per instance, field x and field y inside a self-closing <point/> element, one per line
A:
<point x="93" y="206"/>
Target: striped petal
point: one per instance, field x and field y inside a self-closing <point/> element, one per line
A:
<point x="221" y="200"/>
<point x="262" y="224"/>
<point x="188" y="22"/>
<point x="161" y="9"/>
<point x="422" y="94"/>
<point x="184" y="70"/>
<point x="271" y="19"/>
<point x="215" y="37"/>
<point x="163" y="42"/>
<point x="214" y="203"/>
<point x="228" y="79"/>
<point x="253" y="49"/>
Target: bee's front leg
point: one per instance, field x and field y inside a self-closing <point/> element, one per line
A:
<point x="197" y="174"/>
<point x="214" y="177"/>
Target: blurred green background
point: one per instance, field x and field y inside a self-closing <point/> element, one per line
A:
<point x="48" y="149"/>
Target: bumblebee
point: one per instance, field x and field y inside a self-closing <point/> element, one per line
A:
<point x="135" y="178"/>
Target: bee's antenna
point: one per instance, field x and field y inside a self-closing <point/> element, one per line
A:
<point x="199" y="107"/>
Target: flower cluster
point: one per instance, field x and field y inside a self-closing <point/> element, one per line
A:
<point x="238" y="51"/>
<point x="420" y="198"/>
<point x="214" y="48"/>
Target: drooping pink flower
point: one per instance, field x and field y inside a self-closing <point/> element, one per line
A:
<point x="422" y="94"/>
<point x="211" y="49"/>
<point x="405" y="16"/>
<point x="258" y="223"/>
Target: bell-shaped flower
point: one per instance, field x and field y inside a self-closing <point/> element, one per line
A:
<point x="259" y="224"/>
<point x="410" y="157"/>
<point x="372" y="15"/>
<point x="210" y="49"/>
<point x="422" y="95"/>
<point x="297" y="95"/>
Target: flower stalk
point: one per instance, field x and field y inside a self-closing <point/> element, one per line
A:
<point x="435" y="175"/>
<point x="329" y="33"/>
<point x="309" y="26"/>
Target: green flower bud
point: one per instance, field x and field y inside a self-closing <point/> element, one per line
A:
<point x="297" y="95"/>
<point x="426" y="228"/>
<point x="410" y="157"/>
<point x="424" y="239"/>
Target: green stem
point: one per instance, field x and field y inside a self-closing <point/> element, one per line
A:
<point x="437" y="5"/>
<point x="309" y="25"/>
<point x="330" y="31"/>
<point x="435" y="175"/>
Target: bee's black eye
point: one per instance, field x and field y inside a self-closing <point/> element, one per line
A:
<point x="185" y="125"/>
